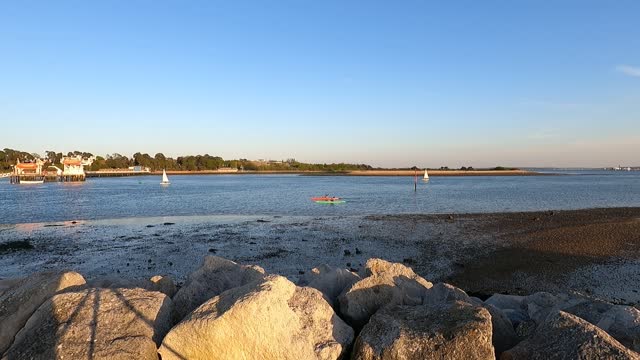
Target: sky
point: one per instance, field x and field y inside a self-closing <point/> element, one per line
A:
<point x="386" y="83"/>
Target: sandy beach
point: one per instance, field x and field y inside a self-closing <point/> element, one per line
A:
<point x="588" y="251"/>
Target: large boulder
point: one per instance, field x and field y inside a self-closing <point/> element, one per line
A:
<point x="163" y="284"/>
<point x="21" y="298"/>
<point x="565" y="336"/>
<point x="454" y="330"/>
<point x="8" y="283"/>
<point x="623" y="323"/>
<point x="443" y="292"/>
<point x="112" y="282"/>
<point x="329" y="280"/>
<point x="266" y="319"/>
<point x="95" y="324"/>
<point x="503" y="335"/>
<point x="386" y="284"/>
<point x="510" y="305"/>
<point x="506" y="302"/>
<point x="540" y="304"/>
<point x="620" y="321"/>
<point x="211" y="279"/>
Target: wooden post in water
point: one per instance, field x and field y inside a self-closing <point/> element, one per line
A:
<point x="415" y="180"/>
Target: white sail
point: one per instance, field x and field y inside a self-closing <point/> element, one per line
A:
<point x="165" y="179"/>
<point x="426" y="176"/>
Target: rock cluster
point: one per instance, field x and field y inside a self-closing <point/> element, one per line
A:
<point x="227" y="310"/>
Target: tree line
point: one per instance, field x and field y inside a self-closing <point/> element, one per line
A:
<point x="159" y="161"/>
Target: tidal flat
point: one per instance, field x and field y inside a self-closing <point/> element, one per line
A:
<point x="594" y="252"/>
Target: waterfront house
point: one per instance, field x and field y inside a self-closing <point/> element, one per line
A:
<point x="27" y="172"/>
<point x="28" y="168"/>
<point x="73" y="168"/>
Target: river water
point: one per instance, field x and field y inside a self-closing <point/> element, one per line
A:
<point x="286" y="195"/>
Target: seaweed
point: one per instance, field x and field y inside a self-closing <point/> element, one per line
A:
<point x="18" y="245"/>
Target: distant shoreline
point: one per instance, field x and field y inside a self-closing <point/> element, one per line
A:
<point x="420" y="173"/>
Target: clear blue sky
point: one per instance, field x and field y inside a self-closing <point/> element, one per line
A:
<point x="389" y="83"/>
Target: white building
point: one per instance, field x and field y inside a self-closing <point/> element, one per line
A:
<point x="73" y="168"/>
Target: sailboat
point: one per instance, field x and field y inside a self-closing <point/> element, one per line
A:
<point x="165" y="179"/>
<point x="426" y="176"/>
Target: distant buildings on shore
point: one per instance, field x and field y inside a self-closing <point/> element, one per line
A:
<point x="624" y="168"/>
<point x="35" y="172"/>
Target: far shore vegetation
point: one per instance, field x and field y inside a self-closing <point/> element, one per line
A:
<point x="206" y="162"/>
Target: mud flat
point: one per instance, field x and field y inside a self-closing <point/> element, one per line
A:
<point x="594" y="252"/>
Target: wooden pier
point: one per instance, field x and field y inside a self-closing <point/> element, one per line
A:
<point x="33" y="178"/>
<point x="26" y="178"/>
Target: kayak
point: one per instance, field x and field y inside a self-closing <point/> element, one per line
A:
<point x="330" y="201"/>
<point x="325" y="198"/>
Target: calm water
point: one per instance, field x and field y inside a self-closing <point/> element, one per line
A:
<point x="110" y="198"/>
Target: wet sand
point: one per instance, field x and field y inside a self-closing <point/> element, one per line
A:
<point x="594" y="252"/>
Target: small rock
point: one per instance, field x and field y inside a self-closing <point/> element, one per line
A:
<point x="301" y="272"/>
<point x="168" y="223"/>
<point x="347" y="253"/>
<point x="150" y="226"/>
<point x="213" y="250"/>
<point x="163" y="284"/>
<point x="358" y="252"/>
<point x="348" y="264"/>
